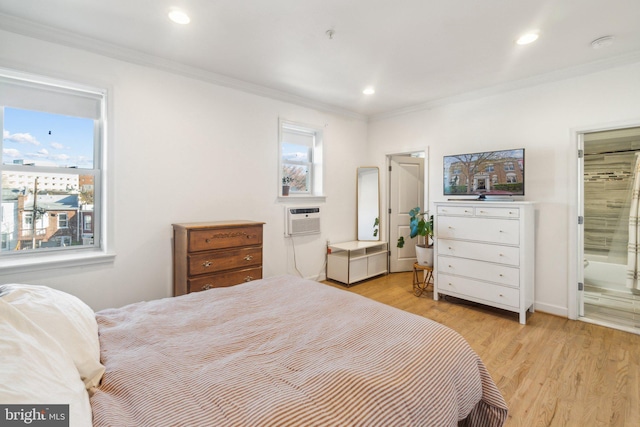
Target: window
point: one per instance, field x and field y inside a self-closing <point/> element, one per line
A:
<point x="508" y="166"/>
<point x="51" y="165"/>
<point x="87" y="222"/>
<point x="489" y="168"/>
<point x="63" y="220"/>
<point x="300" y="160"/>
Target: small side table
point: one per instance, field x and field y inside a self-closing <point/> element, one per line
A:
<point x="420" y="284"/>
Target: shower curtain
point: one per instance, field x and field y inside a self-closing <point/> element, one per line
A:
<point x="633" y="260"/>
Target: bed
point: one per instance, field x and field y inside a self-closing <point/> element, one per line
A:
<point x="275" y="352"/>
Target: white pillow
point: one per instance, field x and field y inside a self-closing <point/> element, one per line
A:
<point x="66" y="319"/>
<point x="36" y="370"/>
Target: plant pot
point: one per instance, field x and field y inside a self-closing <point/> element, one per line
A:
<point x="424" y="255"/>
<point x="285" y="190"/>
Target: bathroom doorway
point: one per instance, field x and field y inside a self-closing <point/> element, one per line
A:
<point x="611" y="189"/>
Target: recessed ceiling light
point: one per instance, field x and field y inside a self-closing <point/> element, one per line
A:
<point x="369" y="91"/>
<point x="179" y="17"/>
<point x="528" y="38"/>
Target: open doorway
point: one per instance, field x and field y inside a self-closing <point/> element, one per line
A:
<point x="406" y="190"/>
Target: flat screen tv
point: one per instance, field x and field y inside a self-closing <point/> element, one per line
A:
<point x="489" y="173"/>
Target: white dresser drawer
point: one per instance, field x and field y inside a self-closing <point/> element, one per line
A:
<point x="480" y="251"/>
<point x="455" y="210"/>
<point x="497" y="212"/>
<point x="481" y="270"/>
<point x="493" y="230"/>
<point x="479" y="291"/>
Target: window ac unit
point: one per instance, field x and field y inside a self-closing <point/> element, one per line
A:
<point x="302" y="221"/>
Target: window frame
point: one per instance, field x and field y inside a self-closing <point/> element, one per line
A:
<point x="316" y="165"/>
<point x="101" y="251"/>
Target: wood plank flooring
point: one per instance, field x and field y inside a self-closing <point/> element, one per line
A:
<point x="551" y="371"/>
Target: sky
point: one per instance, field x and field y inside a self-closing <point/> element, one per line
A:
<point x="47" y="139"/>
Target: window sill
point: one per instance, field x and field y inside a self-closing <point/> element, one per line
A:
<point x="36" y="262"/>
<point x="285" y="199"/>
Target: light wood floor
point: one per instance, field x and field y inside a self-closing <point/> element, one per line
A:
<point x="551" y="371"/>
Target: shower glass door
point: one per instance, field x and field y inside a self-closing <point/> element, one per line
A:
<point x="608" y="169"/>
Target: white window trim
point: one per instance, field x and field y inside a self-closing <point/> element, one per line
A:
<point x="317" y="182"/>
<point x="102" y="253"/>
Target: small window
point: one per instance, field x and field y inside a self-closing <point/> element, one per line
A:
<point x="508" y="166"/>
<point x="300" y="160"/>
<point x="63" y="220"/>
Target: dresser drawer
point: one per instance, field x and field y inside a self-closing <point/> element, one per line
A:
<point x="491" y="230"/>
<point x="455" y="210"/>
<point x="485" y="293"/>
<point x="481" y="270"/>
<point x="497" y="212"/>
<point x="480" y="251"/>
<point x="204" y="240"/>
<point x="210" y="262"/>
<point x="222" y="280"/>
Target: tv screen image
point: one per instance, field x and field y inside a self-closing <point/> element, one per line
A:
<point x="489" y="173"/>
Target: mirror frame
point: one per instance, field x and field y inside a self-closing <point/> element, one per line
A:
<point x="368" y="203"/>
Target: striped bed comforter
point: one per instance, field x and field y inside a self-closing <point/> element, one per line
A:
<point x="286" y="352"/>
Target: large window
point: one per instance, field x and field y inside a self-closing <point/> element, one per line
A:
<point x="52" y="141"/>
<point x="300" y="160"/>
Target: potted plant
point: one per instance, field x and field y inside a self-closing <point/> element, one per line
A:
<point x="421" y="226"/>
<point x="286" y="181"/>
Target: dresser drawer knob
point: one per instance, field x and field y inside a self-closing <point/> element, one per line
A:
<point x="501" y="275"/>
<point x="248" y="258"/>
<point x="500" y="295"/>
<point x="207" y="286"/>
<point x="248" y="278"/>
<point x="208" y="241"/>
<point x="450" y="266"/>
<point x="206" y="264"/>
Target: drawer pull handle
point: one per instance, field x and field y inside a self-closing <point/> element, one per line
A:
<point x="450" y="248"/>
<point x="500" y="255"/>
<point x="206" y="287"/>
<point x="206" y="264"/>
<point x="450" y="228"/>
<point x="450" y="284"/>
<point x="501" y="231"/>
<point x="501" y="295"/>
<point x="208" y="241"/>
<point x="248" y="279"/>
<point x="501" y="275"/>
<point x="450" y="266"/>
<point x="248" y="258"/>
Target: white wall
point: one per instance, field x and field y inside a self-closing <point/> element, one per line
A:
<point x="185" y="150"/>
<point x="542" y="119"/>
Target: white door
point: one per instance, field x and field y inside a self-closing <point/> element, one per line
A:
<point x="406" y="191"/>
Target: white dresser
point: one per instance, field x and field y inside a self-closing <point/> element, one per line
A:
<point x="484" y="252"/>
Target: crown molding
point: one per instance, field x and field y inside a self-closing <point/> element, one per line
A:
<point x="73" y="40"/>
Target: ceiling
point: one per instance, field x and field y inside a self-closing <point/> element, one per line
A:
<point x="415" y="53"/>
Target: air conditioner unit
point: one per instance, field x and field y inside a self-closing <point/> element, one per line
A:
<point x="304" y="220"/>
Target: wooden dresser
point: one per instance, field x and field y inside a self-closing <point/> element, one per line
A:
<point x="485" y="253"/>
<point x="215" y="254"/>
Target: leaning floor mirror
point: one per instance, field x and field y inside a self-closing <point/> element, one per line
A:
<point x="368" y="203"/>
